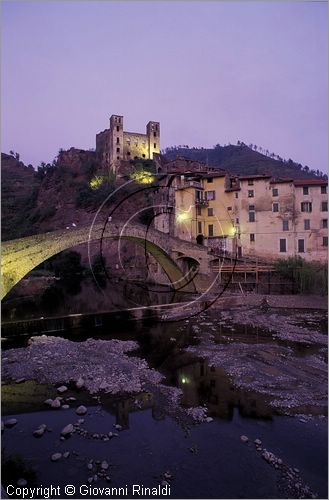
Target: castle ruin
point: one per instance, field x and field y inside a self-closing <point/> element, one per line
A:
<point x="114" y="144"/>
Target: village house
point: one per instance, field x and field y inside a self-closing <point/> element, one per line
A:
<point x="246" y="215"/>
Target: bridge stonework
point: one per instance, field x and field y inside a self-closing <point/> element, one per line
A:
<point x="21" y="256"/>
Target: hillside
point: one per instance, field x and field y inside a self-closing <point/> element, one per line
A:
<point x="19" y="192"/>
<point x="243" y="160"/>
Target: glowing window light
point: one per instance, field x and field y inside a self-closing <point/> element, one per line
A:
<point x="184" y="380"/>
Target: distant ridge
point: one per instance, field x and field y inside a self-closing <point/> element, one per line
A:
<point x="243" y="160"/>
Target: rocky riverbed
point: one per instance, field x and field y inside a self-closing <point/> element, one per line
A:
<point x="193" y="376"/>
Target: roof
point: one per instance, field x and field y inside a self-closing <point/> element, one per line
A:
<point x="281" y="180"/>
<point x="256" y="177"/>
<point x="310" y="182"/>
<point x="221" y="173"/>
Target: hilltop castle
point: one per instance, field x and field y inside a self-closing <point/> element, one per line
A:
<point x="114" y="145"/>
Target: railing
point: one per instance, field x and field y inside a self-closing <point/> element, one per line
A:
<point x="201" y="202"/>
<point x="225" y="268"/>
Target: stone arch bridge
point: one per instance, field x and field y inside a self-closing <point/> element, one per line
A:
<point x="186" y="264"/>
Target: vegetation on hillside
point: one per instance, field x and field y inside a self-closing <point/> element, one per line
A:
<point x="241" y="159"/>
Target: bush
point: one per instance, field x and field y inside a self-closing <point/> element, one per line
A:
<point x="308" y="277"/>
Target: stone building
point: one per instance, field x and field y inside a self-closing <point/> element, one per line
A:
<point x="248" y="215"/>
<point x="114" y="144"/>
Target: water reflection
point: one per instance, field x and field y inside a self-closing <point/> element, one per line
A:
<point x="83" y="296"/>
<point x="203" y="384"/>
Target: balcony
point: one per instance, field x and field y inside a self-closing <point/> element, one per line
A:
<point x="189" y="184"/>
<point x="200" y="202"/>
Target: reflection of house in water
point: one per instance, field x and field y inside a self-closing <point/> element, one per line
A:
<point x="122" y="407"/>
<point x="210" y="385"/>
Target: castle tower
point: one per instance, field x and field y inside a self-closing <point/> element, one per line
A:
<point x="116" y="141"/>
<point x="153" y="136"/>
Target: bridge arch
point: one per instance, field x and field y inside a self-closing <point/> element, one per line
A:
<point x="21" y="256"/>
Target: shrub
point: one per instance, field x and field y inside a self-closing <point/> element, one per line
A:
<point x="308" y="277"/>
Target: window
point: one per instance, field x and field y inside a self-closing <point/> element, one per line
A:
<point x="198" y="210"/>
<point x="210" y="212"/>
<point x="229" y="208"/>
<point x="324" y="206"/>
<point x="251" y="207"/>
<point x="252" y="238"/>
<point x="283" y="245"/>
<point x="305" y="189"/>
<point x="198" y="195"/>
<point x="250" y="193"/>
<point x="210" y="195"/>
<point x="128" y="153"/>
<point x="237" y="195"/>
<point x="143" y="156"/>
<point x="250" y="182"/>
<point x="210" y="179"/>
<point x="323" y="189"/>
<point x="306" y="206"/>
<point x="118" y="128"/>
<point x="199" y="227"/>
<point x="285" y="225"/>
<point x="252" y="216"/>
<point x="210" y="230"/>
<point x="154" y="134"/>
<point x="237" y="221"/>
<point x="307" y="224"/>
<point x="324" y="223"/>
<point x="118" y="157"/>
<point x="154" y="145"/>
<point x="118" y="150"/>
<point x="118" y="140"/>
<point x="325" y="241"/>
<point x="275" y="192"/>
<point x="275" y="207"/>
<point x="301" y="246"/>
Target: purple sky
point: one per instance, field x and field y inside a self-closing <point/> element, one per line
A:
<point x="210" y="72"/>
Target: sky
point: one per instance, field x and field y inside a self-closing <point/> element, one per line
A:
<point x="209" y="72"/>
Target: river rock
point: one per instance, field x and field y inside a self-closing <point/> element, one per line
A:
<point x="61" y="389"/>
<point x="48" y="402"/>
<point x="65" y="407"/>
<point x="66" y="454"/>
<point x="10" y="423"/>
<point x="80" y="383"/>
<point x="67" y="431"/>
<point x="209" y="419"/>
<point x="55" y="457"/>
<point x="81" y="410"/>
<point x="90" y="466"/>
<point x="20" y="381"/>
<point x="39" y="432"/>
<point x="81" y="421"/>
<point x="21" y="482"/>
<point x="104" y="465"/>
<point x="257" y="442"/>
<point x="244" y="439"/>
<point x="56" y="403"/>
<point x="118" y="427"/>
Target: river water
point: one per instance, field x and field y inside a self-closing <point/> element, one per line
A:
<point x="205" y="460"/>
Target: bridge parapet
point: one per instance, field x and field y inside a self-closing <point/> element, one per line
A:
<point x="20" y="256"/>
